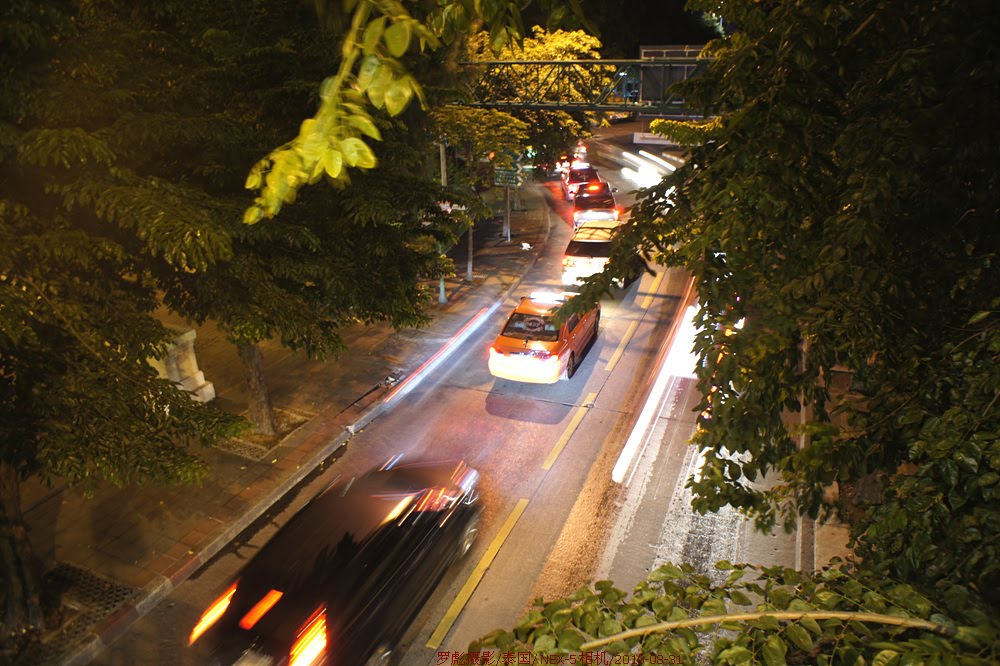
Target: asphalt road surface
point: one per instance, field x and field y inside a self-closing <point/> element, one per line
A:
<point x="553" y="519"/>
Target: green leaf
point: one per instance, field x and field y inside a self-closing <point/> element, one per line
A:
<point x="397" y="38"/>
<point x="609" y="627"/>
<point x="739" y="598"/>
<point x="979" y="316"/>
<point x="886" y="658"/>
<point x="735" y="655"/>
<point x="799" y="637"/>
<point x="774" y="651"/>
<point x="398" y="95"/>
<point x="545" y="643"/>
<point x="668" y="571"/>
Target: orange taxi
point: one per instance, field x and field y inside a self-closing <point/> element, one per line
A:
<point x="532" y="348"/>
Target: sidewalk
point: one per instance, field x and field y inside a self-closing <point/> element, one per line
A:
<point x="120" y="552"/>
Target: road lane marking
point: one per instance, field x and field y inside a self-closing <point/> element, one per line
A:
<point x="627" y="338"/>
<point x="652" y="290"/>
<point x="475" y="577"/>
<point x="570" y="429"/>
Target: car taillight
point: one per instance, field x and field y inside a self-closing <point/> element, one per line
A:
<point x="212" y="614"/>
<point x="567" y="261"/>
<point x="260" y="609"/>
<point x="310" y="646"/>
<point x="617" y="213"/>
<point x="576" y="216"/>
<point x="494" y="352"/>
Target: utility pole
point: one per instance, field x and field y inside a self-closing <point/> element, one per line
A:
<point x="468" y="268"/>
<point x="442" y="295"/>
<point x="506" y="211"/>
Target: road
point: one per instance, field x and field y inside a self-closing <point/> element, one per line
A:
<point x="553" y="518"/>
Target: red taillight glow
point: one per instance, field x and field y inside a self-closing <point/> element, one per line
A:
<point x="212" y="614"/>
<point x="494" y="352"/>
<point x="617" y="213"/>
<point x="310" y="646"/>
<point x="259" y="609"/>
<point x="593" y="187"/>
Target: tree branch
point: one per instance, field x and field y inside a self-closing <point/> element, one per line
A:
<point x="878" y="618"/>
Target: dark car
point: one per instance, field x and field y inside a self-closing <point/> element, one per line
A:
<point x="342" y="580"/>
<point x="594" y="201"/>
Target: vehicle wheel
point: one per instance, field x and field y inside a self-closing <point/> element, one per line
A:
<point x="469" y="535"/>
<point x="571" y="366"/>
<point x="382" y="656"/>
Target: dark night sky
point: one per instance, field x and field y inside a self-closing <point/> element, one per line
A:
<point x="626" y="25"/>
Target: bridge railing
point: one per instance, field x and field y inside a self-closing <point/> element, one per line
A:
<point x="584" y="85"/>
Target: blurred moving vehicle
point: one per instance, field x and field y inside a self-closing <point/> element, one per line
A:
<point x="340" y="582"/>
<point x="594" y="200"/>
<point x="574" y="178"/>
<point x="533" y="348"/>
<point x="589" y="251"/>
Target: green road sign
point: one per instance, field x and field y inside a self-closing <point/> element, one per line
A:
<point x="506" y="177"/>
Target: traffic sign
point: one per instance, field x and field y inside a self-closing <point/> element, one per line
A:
<point x="506" y="177"/>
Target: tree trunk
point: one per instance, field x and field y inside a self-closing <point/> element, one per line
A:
<point x="22" y="581"/>
<point x="261" y="411"/>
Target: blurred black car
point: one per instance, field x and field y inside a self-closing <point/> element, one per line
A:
<point x="342" y="580"/>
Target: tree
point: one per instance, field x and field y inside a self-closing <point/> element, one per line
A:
<point x="125" y="138"/>
<point x="842" y="204"/>
<point x="79" y="399"/>
<point x="371" y="74"/>
<point x="550" y="133"/>
<point x="741" y="614"/>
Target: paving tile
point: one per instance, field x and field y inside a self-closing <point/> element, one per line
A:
<point x="193" y="538"/>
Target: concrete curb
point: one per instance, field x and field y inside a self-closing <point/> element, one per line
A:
<point x="119" y="622"/>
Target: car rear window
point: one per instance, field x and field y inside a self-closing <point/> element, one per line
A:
<point x="590" y="203"/>
<point x="531" y="327"/>
<point x="588" y="248"/>
<point x="582" y="175"/>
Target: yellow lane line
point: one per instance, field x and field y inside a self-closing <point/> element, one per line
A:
<point x="652" y="290"/>
<point x="475" y="577"/>
<point x="570" y="429"/>
<point x="621" y="346"/>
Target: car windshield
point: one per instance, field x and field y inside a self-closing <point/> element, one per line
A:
<point x="589" y="249"/>
<point x="582" y="175"/>
<point x="531" y="327"/>
<point x="589" y="203"/>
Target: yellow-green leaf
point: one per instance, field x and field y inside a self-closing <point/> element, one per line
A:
<point x="365" y="125"/>
<point x="252" y="215"/>
<point x="373" y="33"/>
<point x="398" y="96"/>
<point x="366" y="73"/>
<point x="253" y="180"/>
<point x="366" y="158"/>
<point x="333" y="162"/>
<point x="397" y="38"/>
<point x="350" y="148"/>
